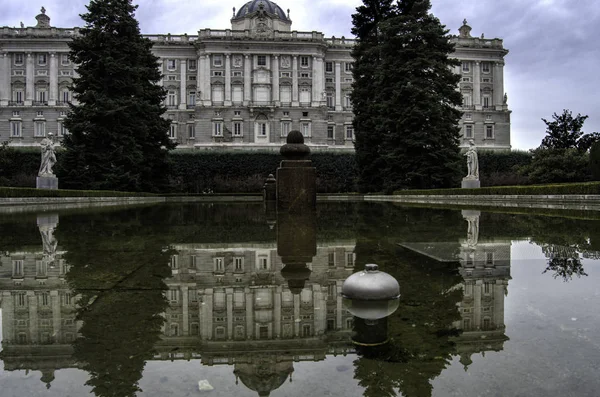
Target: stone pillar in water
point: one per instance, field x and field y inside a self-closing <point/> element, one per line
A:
<point x="296" y="177"/>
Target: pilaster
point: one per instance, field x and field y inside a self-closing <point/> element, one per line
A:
<point x="295" y="81"/>
<point x="338" y="87"/>
<point x="8" y="315"/>
<point x="53" y="94"/>
<point x="477" y="85"/>
<point x="275" y="80"/>
<point x="338" y="301"/>
<point x="247" y="82"/>
<point x="296" y="315"/>
<point x="161" y="71"/>
<point x="227" y="79"/>
<point x="207" y="85"/>
<point x="183" y="85"/>
<point x="477" y="304"/>
<point x="200" y="78"/>
<point x="4" y="79"/>
<point x="33" y="320"/>
<point x="229" y="301"/>
<point x="277" y="312"/>
<point x="186" y="310"/>
<point x="499" y="85"/>
<point x="249" y="313"/>
<point x="55" y="302"/>
<point x="29" y="82"/>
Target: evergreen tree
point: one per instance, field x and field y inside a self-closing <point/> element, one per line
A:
<point x="404" y="98"/>
<point x="118" y="139"/>
<point x="564" y="132"/>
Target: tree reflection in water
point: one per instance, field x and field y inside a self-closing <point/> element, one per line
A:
<point x="118" y="267"/>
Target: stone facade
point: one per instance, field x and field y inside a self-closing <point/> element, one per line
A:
<point x="240" y="88"/>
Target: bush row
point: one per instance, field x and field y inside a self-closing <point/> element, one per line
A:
<point x="553" y="189"/>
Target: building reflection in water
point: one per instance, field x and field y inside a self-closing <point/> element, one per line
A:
<point x="259" y="307"/>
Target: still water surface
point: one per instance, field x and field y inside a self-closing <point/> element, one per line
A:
<point x="228" y="300"/>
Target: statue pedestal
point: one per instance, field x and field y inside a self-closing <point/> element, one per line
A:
<point x="296" y="186"/>
<point x="46" y="182"/>
<point x="470" y="183"/>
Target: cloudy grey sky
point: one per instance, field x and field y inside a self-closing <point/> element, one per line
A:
<point x="552" y="64"/>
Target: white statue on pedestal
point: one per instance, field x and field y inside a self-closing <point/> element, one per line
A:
<point x="472" y="161"/>
<point x="48" y="156"/>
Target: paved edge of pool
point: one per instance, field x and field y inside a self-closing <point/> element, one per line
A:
<point x="580" y="202"/>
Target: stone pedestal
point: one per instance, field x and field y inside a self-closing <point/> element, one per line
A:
<point x="296" y="186"/>
<point x="46" y="182"/>
<point x="470" y="183"/>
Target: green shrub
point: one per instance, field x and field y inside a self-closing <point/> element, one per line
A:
<point x="557" y="166"/>
<point x="8" y="192"/>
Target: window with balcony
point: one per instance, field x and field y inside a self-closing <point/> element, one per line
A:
<point x="217" y="93"/>
<point x="487" y="101"/>
<point x="330" y="100"/>
<point x="305" y="94"/>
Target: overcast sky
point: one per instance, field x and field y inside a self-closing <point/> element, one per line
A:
<point x="552" y="64"/>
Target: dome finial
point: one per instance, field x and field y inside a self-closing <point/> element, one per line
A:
<point x="234" y="11"/>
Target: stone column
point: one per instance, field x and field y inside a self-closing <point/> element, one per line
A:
<point x="338" y="88"/>
<point x="477" y="85"/>
<point x="296" y="315"/>
<point x="207" y="315"/>
<point x="29" y="81"/>
<point x="161" y="71"/>
<point x="183" y="84"/>
<point x="53" y="94"/>
<point x="4" y="79"/>
<point x="249" y="313"/>
<point x="8" y="322"/>
<point x="200" y="78"/>
<point x="55" y="302"/>
<point x="498" y="314"/>
<point x="316" y="94"/>
<point x="499" y="85"/>
<point x="320" y="77"/>
<point x="207" y="86"/>
<point x="185" y="309"/>
<point x="229" y="302"/>
<point x="277" y="313"/>
<point x="339" y="304"/>
<point x="477" y="304"/>
<point x="227" y="79"/>
<point x="33" y="320"/>
<point x="320" y="310"/>
<point x="275" y="80"/>
<point x="247" y="81"/>
<point x="295" y="81"/>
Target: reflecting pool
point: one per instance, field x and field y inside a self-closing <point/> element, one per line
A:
<point x="227" y="299"/>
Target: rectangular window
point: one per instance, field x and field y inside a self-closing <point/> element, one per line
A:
<point x="192" y="65"/>
<point x="286" y="74"/>
<point x="16" y="113"/>
<point x="330" y="100"/>
<point x="330" y="132"/>
<point x="40" y="128"/>
<point x="17" y="266"/>
<point x="261" y="60"/>
<point x="172" y="98"/>
<point x="42" y="59"/>
<point x="217" y="128"/>
<point x="237" y="113"/>
<point x="348" y="67"/>
<point x="349" y="132"/>
<point x="328" y="67"/>
<point x="18" y="59"/>
<point x="304" y="62"/>
<point x="218" y="60"/>
<point x="217" y="73"/>
<point x="468" y="116"/>
<point x="237" y="129"/>
<point x="487" y="101"/>
<point x="262" y="129"/>
<point x="286" y="127"/>
<point x="219" y="264"/>
<point x="489" y="132"/>
<point x="468" y="131"/>
<point x="466" y="66"/>
<point x="42" y="97"/>
<point x="64" y="59"/>
<point x="66" y="96"/>
<point x="191" y="131"/>
<point x="485" y="67"/>
<point x="192" y="78"/>
<point x="238" y="263"/>
<point x="173" y="131"/>
<point x="171" y="64"/>
<point x="172" y="77"/>
<point x="62" y="131"/>
<point x="349" y="259"/>
<point x="467" y="100"/>
<point x="331" y="259"/>
<point x="18" y="96"/>
<point x="306" y="130"/>
<point x="192" y="98"/>
<point x="15" y="129"/>
<point x="329" y="80"/>
<point x="65" y="72"/>
<point x="237" y="94"/>
<point x="489" y="258"/>
<point x="285" y="94"/>
<point x="217" y="93"/>
<point x="347" y="101"/>
<point x="305" y="95"/>
<point x="237" y="73"/>
<point x="305" y="75"/>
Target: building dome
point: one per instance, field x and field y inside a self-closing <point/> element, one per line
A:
<point x="255" y="5"/>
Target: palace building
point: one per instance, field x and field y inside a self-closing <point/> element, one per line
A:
<point x="244" y="87"/>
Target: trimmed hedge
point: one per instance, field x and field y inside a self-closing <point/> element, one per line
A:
<point x="587" y="188"/>
<point x="7" y="192"/>
<point x="245" y="172"/>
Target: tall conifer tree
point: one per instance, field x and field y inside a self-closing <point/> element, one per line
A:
<point x="117" y="138"/>
<point x="405" y="99"/>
